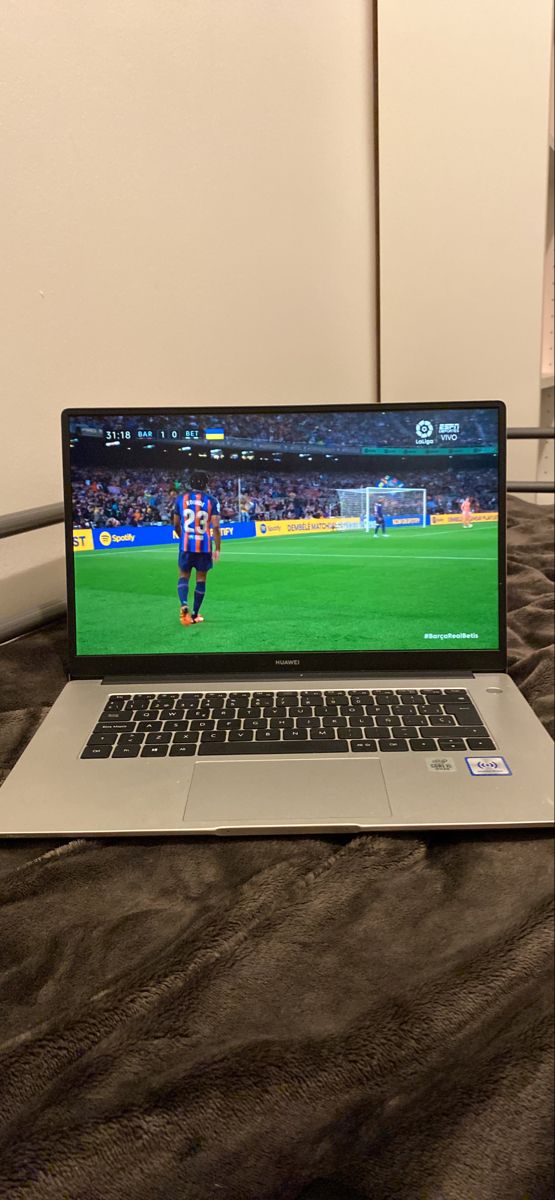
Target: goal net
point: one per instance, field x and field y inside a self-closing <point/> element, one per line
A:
<point x="401" y="506"/>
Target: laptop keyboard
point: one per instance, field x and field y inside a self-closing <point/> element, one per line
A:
<point x="361" y="721"/>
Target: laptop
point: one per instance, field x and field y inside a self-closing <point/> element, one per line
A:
<point x="284" y="620"/>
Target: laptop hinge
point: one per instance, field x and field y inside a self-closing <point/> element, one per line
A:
<point x="140" y="681"/>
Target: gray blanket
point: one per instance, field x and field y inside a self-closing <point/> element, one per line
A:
<point x="318" y="1018"/>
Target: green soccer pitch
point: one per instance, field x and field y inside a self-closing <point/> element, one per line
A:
<point x="327" y="591"/>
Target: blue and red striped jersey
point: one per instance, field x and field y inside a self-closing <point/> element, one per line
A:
<point x="195" y="510"/>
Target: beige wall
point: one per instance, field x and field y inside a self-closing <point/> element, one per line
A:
<point x="463" y="127"/>
<point x="187" y="216"/>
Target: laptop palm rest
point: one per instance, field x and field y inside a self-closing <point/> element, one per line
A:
<point x="342" y="795"/>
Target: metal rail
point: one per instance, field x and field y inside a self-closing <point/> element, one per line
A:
<point x="31" y="518"/>
<point x="520" y="434"/>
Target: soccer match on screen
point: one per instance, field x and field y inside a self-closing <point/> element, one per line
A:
<point x="285" y="531"/>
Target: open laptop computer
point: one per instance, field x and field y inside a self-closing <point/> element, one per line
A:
<point x="248" y="655"/>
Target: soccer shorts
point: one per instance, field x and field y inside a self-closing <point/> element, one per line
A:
<point x="190" y="559"/>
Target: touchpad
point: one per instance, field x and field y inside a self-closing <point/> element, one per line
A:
<point x="320" y="793"/>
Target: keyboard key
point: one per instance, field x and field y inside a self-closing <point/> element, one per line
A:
<point x="309" y="723"/>
<point x="288" y="747"/>
<point x="285" y="699"/>
<point x="115" y="727"/>
<point x="393" y="745"/>
<point x="213" y="735"/>
<point x="241" y="735"/>
<point x="336" y="722"/>
<point x="452" y="744"/>
<point x="133" y="739"/>
<point x="282" y="723"/>
<point x="173" y="714"/>
<point x="465" y="714"/>
<point x="456" y="694"/>
<point x="422" y="744"/>
<point x="387" y="722"/>
<point x="332" y="710"/>
<point x="403" y="710"/>
<point x="263" y="698"/>
<point x="255" y="723"/>
<point x="480" y="743"/>
<point x="465" y="731"/>
<point x="96" y="751"/>
<point x="185" y="739"/>
<point x="126" y="751"/>
<point x="429" y="710"/>
<point x="228" y="723"/>
<point x="266" y="735"/>
<point x="408" y="731"/>
<point x="181" y="751"/>
<point x="148" y="727"/>
<point x="253" y="712"/>
<point x="443" y="721"/>
<point x="271" y="710"/>
<point x="176" y="726"/>
<point x="158" y="739"/>
<point x="367" y="747"/>
<point x="295" y="735"/>
<point x="351" y="735"/>
<point x="107" y="739"/>
<point x="154" y="751"/>
<point x="361" y="694"/>
<point x="301" y="710"/>
<point x="322" y="735"/>
<point x="207" y="723"/>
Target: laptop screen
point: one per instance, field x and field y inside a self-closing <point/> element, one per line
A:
<point x="210" y="532"/>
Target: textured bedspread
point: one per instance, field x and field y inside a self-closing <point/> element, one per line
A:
<point x="326" y="1018"/>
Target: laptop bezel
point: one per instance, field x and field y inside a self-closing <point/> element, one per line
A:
<point x="299" y="663"/>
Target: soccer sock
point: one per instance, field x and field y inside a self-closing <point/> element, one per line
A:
<point x="200" y="589"/>
<point x="183" y="592"/>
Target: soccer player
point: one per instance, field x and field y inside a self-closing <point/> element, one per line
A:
<point x="466" y="512"/>
<point x="379" y="519"/>
<point x="196" y="517"/>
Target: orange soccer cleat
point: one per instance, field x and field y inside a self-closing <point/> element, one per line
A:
<point x="185" y="617"/>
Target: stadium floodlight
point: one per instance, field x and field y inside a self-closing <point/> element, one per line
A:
<point x="403" y="505"/>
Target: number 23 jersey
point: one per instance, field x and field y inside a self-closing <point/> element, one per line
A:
<point x="195" y="510"/>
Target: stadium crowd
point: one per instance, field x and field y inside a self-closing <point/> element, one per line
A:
<point x="109" y="497"/>
<point x="329" y="431"/>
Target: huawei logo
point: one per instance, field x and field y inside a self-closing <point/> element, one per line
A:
<point x="287" y="662"/>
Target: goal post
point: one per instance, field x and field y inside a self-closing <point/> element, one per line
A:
<point x="403" y="506"/>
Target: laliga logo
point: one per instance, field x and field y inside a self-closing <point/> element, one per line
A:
<point x="424" y="430"/>
<point x="105" y="539"/>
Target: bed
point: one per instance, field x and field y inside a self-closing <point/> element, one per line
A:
<point x="322" y="1018"/>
